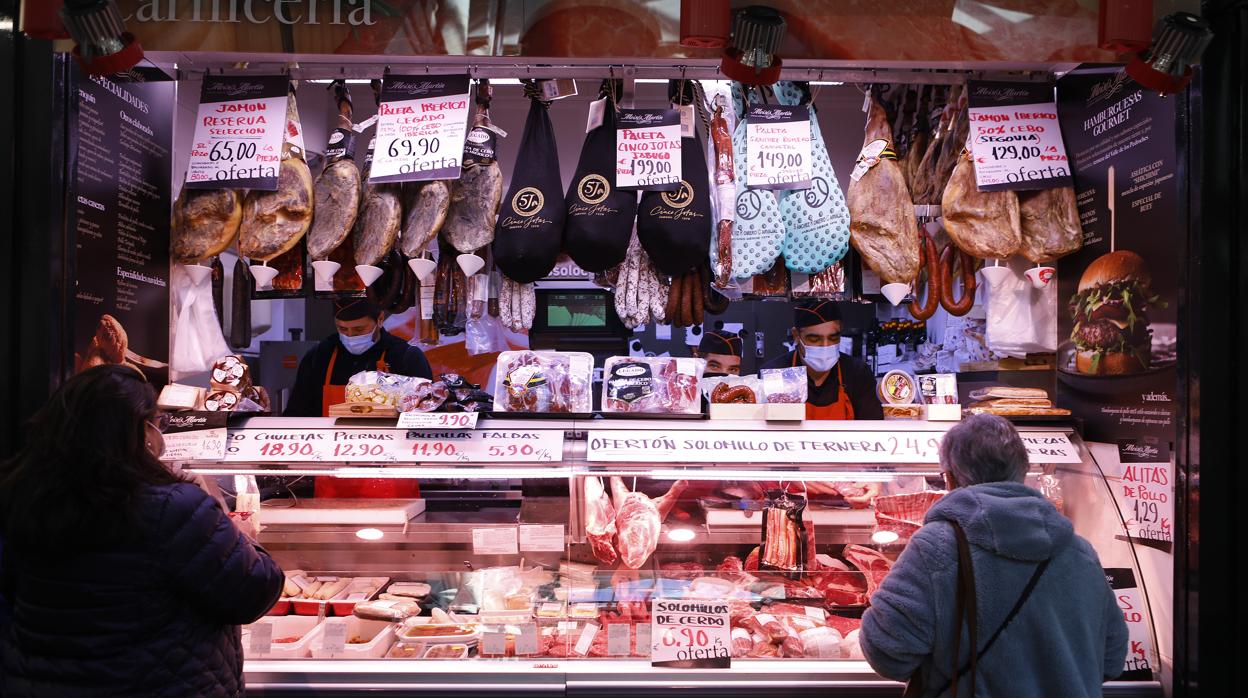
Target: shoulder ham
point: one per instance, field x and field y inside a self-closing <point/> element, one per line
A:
<point x="336" y="195"/>
<point x="983" y="224"/>
<point x="1050" y="224"/>
<point x="205" y="223"/>
<point x="881" y="213"/>
<point x="275" y="221"/>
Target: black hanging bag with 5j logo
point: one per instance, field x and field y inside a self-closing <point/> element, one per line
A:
<point x="675" y="227"/>
<point x="600" y="216"/>
<point x="529" y="231"/>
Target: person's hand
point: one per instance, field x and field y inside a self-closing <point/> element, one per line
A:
<point x="864" y="496"/>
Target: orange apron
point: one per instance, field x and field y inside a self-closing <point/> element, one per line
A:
<point x="842" y="409"/>
<point x="361" y="488"/>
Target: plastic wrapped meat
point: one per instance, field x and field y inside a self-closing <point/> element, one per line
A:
<point x="657" y="385"/>
<point x="543" y="381"/>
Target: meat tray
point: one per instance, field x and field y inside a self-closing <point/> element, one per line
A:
<point x="284" y="626"/>
<point x="379" y="634"/>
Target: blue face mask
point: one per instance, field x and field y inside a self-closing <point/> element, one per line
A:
<point x="359" y="344"/>
<point x="821" y="359"/>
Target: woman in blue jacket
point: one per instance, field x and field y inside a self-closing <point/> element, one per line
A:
<point x="123" y="578"/>
<point x="1067" y="637"/>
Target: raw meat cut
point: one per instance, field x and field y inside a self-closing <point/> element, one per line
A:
<point x="337" y="190"/>
<point x="425" y="207"/>
<point x="205" y="223"/>
<point x="882" y="221"/>
<point x="1050" y="224"/>
<point x="637" y="524"/>
<point x="842" y="624"/>
<point x="841" y="588"/>
<point x="275" y="221"/>
<point x="872" y="563"/>
<point x="600" y="521"/>
<point x="983" y="224"/>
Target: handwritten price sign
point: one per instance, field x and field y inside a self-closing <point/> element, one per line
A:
<point x="1015" y="138"/>
<point x="690" y="634"/>
<point x="647" y="149"/>
<point x="393" y="445"/>
<point x="421" y="125"/>
<point x="1145" y="490"/>
<point x="778" y="147"/>
<point x="438" y="420"/>
<point x="238" y="133"/>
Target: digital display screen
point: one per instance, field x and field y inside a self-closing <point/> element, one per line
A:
<point x="576" y="309"/>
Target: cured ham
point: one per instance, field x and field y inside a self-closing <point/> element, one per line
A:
<point x="983" y="224"/>
<point x="882" y="221"/>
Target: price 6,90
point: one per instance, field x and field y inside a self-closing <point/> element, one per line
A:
<point x="413" y="147"/>
<point x="686" y="637"/>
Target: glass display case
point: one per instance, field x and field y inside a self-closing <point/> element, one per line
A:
<point x="532" y="558"/>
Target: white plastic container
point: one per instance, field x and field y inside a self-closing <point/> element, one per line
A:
<point x="379" y="634"/>
<point x="283" y="627"/>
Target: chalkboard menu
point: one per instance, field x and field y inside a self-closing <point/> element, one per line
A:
<point x="120" y="136"/>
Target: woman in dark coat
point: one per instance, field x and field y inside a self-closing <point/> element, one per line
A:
<point x="124" y="578"/>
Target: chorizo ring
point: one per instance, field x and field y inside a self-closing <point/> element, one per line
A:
<point x="932" y="263"/>
<point x="948" y="258"/>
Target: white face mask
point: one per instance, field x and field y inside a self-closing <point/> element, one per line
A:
<point x="821" y="358"/>
<point x="359" y="344"/>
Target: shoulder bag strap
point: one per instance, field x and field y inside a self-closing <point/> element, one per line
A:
<point x="965" y="607"/>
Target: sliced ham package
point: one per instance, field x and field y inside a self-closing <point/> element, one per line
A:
<point x="599" y="216"/>
<point x="529" y="232"/>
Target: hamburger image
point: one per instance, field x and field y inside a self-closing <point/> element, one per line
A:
<point x="1110" y="310"/>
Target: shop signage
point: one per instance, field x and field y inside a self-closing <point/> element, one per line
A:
<point x="421" y="124"/>
<point x="1117" y="372"/>
<point x="239" y="128"/>
<point x="778" y="147"/>
<point x="797" y="447"/>
<point x="195" y="436"/>
<point x="120" y="136"/>
<point x="1015" y="137"/>
<point x="690" y="634"/>
<point x="1144" y="488"/>
<point x="438" y="420"/>
<point x="393" y="445"/>
<point x="1138" y="666"/>
<point x="647" y="149"/>
<point x="499" y="540"/>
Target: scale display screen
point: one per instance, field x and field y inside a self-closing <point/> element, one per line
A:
<point x="576" y="310"/>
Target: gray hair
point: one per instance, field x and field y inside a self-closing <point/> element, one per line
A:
<point x="984" y="448"/>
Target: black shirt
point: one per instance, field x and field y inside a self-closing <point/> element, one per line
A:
<point x="401" y="357"/>
<point x="859" y="385"/>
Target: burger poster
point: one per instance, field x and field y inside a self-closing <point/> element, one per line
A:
<point x="1118" y="294"/>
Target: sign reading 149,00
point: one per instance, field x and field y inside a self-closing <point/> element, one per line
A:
<point x="421" y="124"/>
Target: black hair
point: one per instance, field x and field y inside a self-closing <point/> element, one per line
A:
<point x="76" y="483"/>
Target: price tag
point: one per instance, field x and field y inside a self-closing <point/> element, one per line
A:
<point x="493" y="644"/>
<point x="647" y="149"/>
<point x="206" y="444"/>
<point x="334" y="636"/>
<point x="420" y="128"/>
<point x="687" y="124"/>
<point x="526" y="641"/>
<point x="239" y="128"/>
<point x="597" y="113"/>
<point x="494" y="541"/>
<point x="1015" y="137"/>
<point x="393" y="445"/>
<point x="618" y="637"/>
<point x="691" y="634"/>
<point x="261" y="638"/>
<point x="586" y="639"/>
<point x="1145" y="491"/>
<point x="1138" y="666"/>
<point x="643" y="639"/>
<point x="778" y="147"/>
<point x="541" y="538"/>
<point x="438" y="420"/>
<point x="869" y="157"/>
<point x="817" y="613"/>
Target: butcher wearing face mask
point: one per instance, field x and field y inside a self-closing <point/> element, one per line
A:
<point x="838" y="386"/>
<point x="360" y="344"/>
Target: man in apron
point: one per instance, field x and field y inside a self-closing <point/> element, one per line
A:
<point x="722" y="351"/>
<point x="360" y="344"/>
<point x="838" y="386"/>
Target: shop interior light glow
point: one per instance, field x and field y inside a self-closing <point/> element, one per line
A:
<point x="883" y="537"/>
<point x="680" y="535"/>
<point x="369" y="534"/>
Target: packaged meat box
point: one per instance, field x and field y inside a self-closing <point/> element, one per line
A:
<point x="365" y="639"/>
<point x="543" y="382"/>
<point x="652" y="385"/>
<point x="358" y="590"/>
<point x="288" y="637"/>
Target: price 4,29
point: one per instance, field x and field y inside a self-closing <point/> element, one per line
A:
<point x="413" y="147"/>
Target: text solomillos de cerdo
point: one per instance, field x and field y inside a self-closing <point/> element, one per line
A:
<point x="661" y="444"/>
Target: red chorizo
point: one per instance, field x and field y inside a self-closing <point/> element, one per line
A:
<point x="948" y="258"/>
<point x="932" y="263"/>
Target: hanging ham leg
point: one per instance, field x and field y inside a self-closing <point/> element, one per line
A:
<point x="637" y="525"/>
<point x="881" y="213"/>
<point x="600" y="521"/>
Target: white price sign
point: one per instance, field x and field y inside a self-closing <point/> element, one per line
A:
<point x="421" y="125"/>
<point x="438" y="420"/>
<point x="494" y="541"/>
<point x="1138" y="665"/>
<point x="1015" y="138"/>
<point x="207" y="444"/>
<point x="239" y="128"/>
<point x="615" y="446"/>
<point x="541" y="538"/>
<point x="1144" y="487"/>
<point x="690" y="634"/>
<point x="394" y="446"/>
<point x="647" y="149"/>
<point x="778" y="147"/>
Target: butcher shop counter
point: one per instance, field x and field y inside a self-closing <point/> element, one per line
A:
<point x="527" y="528"/>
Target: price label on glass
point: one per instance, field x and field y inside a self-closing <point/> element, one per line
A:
<point x="690" y="634"/>
<point x="647" y="149"/>
<point x="421" y="125"/>
<point x="778" y="147"/>
<point x="238" y="133"/>
<point x="438" y="420"/>
<point x="446" y="445"/>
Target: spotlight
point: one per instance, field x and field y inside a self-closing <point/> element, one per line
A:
<point x="756" y="35"/>
<point x="1178" y="40"/>
<point x="104" y="47"/>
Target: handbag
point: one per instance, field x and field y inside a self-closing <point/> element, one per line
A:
<point x="966" y="610"/>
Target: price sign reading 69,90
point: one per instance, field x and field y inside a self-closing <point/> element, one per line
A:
<point x="421" y="124"/>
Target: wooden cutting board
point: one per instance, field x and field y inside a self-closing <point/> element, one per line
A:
<point x="363" y="409"/>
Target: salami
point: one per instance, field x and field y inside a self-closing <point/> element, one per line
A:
<point x="529" y="232"/>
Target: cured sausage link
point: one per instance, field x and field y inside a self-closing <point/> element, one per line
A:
<point x="948" y="258"/>
<point x="932" y="263"/>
